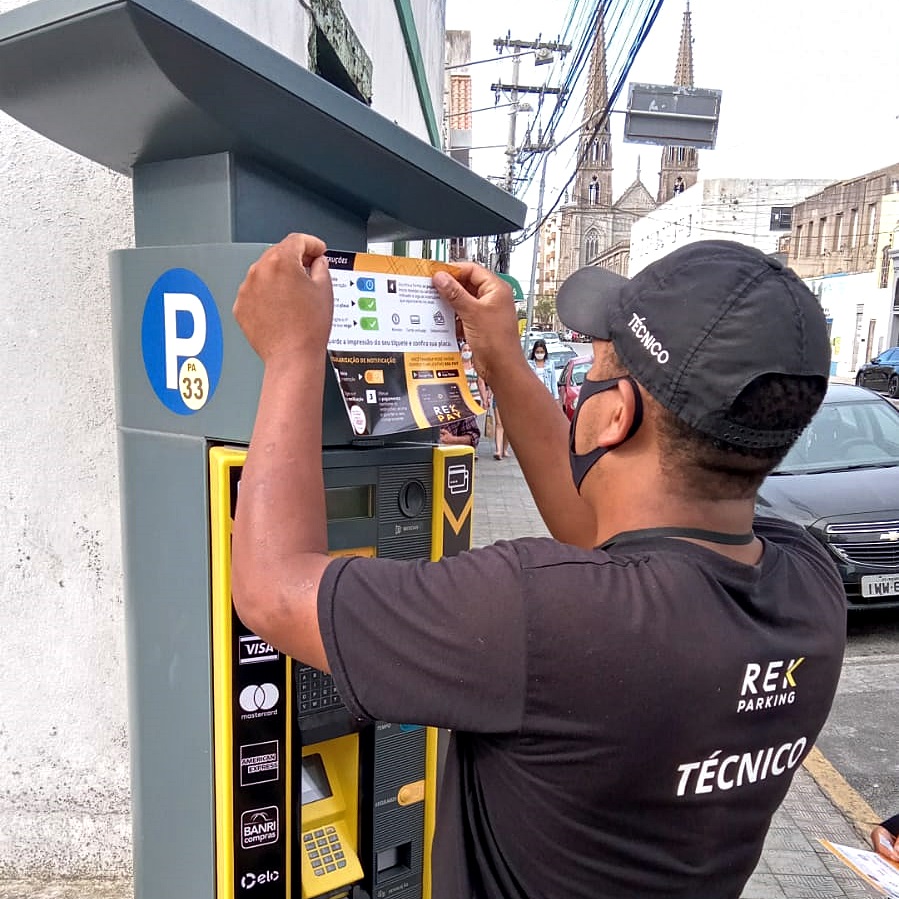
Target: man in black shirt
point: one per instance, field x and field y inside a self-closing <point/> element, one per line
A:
<point x="630" y="700"/>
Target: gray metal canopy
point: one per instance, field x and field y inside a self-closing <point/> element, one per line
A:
<point x="128" y="82"/>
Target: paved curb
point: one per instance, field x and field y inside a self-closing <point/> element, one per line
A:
<point x="860" y="815"/>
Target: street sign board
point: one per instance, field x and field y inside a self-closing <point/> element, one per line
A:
<point x="672" y="116"/>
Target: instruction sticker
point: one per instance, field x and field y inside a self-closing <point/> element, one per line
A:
<point x="393" y="345"/>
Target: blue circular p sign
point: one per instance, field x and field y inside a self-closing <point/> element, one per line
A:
<point x="181" y="339"/>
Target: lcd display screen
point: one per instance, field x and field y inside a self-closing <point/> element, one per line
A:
<point x="342" y="503"/>
<point x="315" y="784"/>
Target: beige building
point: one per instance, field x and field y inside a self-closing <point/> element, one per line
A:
<point x="862" y="307"/>
<point x="843" y="243"/>
<point x="548" y="255"/>
<point x="840" y="228"/>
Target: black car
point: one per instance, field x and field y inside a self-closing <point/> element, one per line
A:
<point x="841" y="482"/>
<point x="881" y="373"/>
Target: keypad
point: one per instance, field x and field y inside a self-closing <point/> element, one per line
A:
<point x="324" y="849"/>
<point x="315" y="691"/>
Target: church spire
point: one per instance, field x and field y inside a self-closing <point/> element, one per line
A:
<point x="680" y="165"/>
<point x="593" y="182"/>
<point x="683" y="72"/>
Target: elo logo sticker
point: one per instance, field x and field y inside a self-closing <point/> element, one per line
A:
<point x="181" y="339"/>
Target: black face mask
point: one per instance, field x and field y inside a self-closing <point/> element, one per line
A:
<point x="581" y="464"/>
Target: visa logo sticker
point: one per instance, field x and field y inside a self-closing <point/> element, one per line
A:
<point x="181" y="340"/>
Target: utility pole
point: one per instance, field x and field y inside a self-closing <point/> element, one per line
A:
<point x="544" y="54"/>
<point x="529" y="323"/>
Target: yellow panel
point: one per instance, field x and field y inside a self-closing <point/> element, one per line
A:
<point x="221" y="461"/>
<point x="368" y="551"/>
<point x="332" y="820"/>
<point x="441" y="510"/>
<point x="431" y="735"/>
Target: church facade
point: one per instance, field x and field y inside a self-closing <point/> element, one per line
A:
<point x="594" y="228"/>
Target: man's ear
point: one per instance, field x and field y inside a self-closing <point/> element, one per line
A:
<point x="618" y="413"/>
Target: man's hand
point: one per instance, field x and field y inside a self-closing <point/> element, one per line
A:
<point x="483" y="301"/>
<point x="280" y="307"/>
<point x="885" y="843"/>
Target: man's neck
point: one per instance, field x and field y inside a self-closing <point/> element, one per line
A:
<point x="635" y="506"/>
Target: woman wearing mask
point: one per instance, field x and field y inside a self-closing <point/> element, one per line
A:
<point x="544" y="368"/>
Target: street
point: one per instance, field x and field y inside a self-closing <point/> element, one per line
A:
<point x="862" y="733"/>
<point x="861" y="736"/>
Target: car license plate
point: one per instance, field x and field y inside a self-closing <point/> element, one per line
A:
<point x="876" y="585"/>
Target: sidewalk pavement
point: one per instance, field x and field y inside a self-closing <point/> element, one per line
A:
<point x="794" y="865"/>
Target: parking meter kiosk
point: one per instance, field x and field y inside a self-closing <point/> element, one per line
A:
<point x="246" y="770"/>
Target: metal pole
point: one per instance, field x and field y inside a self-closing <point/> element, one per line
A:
<point x="529" y="322"/>
<point x="511" y="149"/>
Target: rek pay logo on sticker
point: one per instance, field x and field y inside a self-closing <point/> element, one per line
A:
<point x="181" y="339"/>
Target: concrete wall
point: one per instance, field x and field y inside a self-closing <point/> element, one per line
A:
<point x="64" y="780"/>
<point x="862" y="320"/>
<point x="717" y="209"/>
<point x="393" y="89"/>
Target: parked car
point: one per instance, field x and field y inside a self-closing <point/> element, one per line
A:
<point x="840" y="481"/>
<point x="570" y="381"/>
<point x="881" y="373"/>
<point x="559" y="354"/>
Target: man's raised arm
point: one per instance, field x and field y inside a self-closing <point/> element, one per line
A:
<point x="280" y="536"/>
<point x="536" y="426"/>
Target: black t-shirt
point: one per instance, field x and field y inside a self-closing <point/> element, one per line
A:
<point x="625" y="721"/>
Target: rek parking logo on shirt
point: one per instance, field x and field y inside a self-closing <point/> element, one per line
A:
<point x="768" y="685"/>
<point x="181" y="340"/>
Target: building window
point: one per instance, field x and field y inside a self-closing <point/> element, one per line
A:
<point x="798" y="241"/>
<point x="592" y="245"/>
<point x="853" y="227"/>
<point x="781" y="218"/>
<point x="872" y="223"/>
<point x="822" y="236"/>
<point x="605" y="153"/>
<point x="838" y="233"/>
<point x="593" y="195"/>
<point x="810" y="239"/>
<point x="885" y="266"/>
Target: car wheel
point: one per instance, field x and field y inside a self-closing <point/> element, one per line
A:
<point x="893" y="386"/>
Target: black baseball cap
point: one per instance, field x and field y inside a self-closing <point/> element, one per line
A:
<point x="699" y="325"/>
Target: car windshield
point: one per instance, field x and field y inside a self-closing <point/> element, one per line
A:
<point x="843" y="436"/>
<point x="580" y="372"/>
<point x="560" y="355"/>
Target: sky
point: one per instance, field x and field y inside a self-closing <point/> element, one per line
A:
<point x="810" y="88"/>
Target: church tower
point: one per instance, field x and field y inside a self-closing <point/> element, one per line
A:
<point x="680" y="162"/>
<point x="593" y="182"/>
<point x="587" y="221"/>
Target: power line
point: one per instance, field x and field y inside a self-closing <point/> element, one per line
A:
<point x="645" y="27"/>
